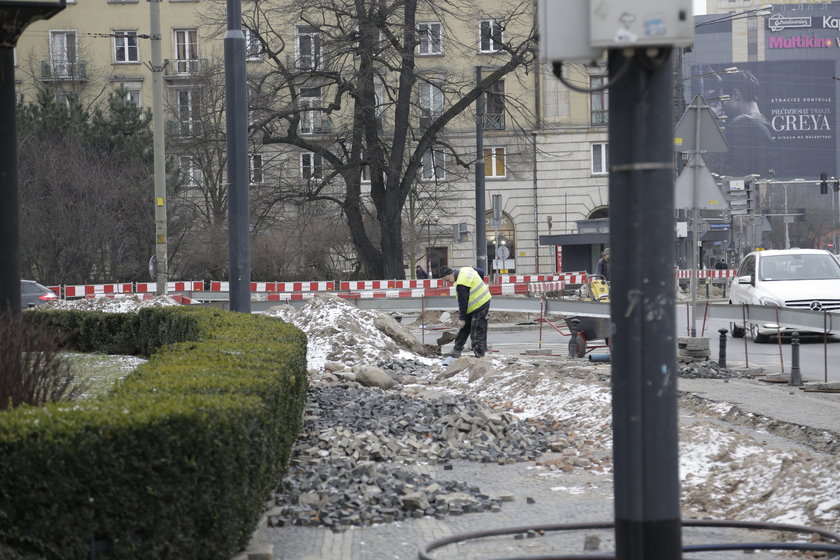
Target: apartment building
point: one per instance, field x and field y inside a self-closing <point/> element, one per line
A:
<point x="544" y="145"/>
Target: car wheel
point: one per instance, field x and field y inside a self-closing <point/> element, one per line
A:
<point x="757" y="337"/>
<point x="737" y="332"/>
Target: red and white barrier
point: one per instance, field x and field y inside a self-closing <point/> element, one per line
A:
<point x="96" y="290"/>
<point x="712" y="273"/>
<point x="545" y="287"/>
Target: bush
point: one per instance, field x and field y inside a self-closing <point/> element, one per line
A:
<point x="177" y="462"/>
<point x="31" y="369"/>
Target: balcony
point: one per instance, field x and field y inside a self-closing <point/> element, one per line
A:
<point x="183" y="69"/>
<point x="184" y="129"/>
<point x="494" y="121"/>
<point x="62" y="70"/>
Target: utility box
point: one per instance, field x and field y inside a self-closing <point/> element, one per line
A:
<point x="564" y="31"/>
<point x="628" y="23"/>
<point x="580" y="30"/>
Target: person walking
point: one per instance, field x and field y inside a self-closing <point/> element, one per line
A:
<point x="473" y="297"/>
<point x="420" y="273"/>
<point x="603" y="266"/>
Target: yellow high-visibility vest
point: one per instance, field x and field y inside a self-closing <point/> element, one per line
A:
<point x="479" y="292"/>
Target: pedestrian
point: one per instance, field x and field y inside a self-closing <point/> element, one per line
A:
<point x="420" y="273"/>
<point x="721" y="265"/>
<point x="603" y="267"/>
<point x="473" y="297"/>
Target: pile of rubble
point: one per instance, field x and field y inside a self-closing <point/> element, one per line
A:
<point x="353" y="437"/>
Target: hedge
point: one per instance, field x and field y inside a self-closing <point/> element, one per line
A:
<point x="178" y="461"/>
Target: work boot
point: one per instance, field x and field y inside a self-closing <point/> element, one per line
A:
<point x="456" y="353"/>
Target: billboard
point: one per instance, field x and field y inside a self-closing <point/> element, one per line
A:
<point x="778" y="117"/>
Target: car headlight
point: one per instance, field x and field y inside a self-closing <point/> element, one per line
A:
<point x="770" y="301"/>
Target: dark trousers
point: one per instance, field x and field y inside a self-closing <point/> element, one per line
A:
<point x="475" y="327"/>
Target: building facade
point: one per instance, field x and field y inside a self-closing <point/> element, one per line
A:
<point x="544" y="146"/>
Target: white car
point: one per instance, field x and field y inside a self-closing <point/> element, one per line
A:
<point x="793" y="278"/>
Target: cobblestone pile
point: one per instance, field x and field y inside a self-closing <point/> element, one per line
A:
<point x="353" y="462"/>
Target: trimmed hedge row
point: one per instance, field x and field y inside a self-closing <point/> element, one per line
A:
<point x="176" y="463"/>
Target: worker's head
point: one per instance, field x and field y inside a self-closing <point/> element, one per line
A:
<point x="446" y="273"/>
<point x="606" y="254"/>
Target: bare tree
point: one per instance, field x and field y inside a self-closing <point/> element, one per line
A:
<point x="348" y="93"/>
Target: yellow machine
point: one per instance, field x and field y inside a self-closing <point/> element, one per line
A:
<point x="597" y="288"/>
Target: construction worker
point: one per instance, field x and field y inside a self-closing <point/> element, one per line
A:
<point x="473" y="305"/>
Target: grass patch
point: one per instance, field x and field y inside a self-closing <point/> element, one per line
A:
<point x="99" y="373"/>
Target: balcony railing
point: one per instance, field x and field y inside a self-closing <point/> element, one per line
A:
<point x="184" y="128"/>
<point x="186" y="67"/>
<point x="494" y="121"/>
<point x="63" y="70"/>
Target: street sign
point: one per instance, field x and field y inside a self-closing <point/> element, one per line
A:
<point x="708" y="193"/>
<point x="685" y="135"/>
<point x="720" y="225"/>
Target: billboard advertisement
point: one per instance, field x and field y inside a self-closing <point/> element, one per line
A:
<point x="778" y="117"/>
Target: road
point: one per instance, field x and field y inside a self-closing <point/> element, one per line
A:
<point x="813" y="354"/>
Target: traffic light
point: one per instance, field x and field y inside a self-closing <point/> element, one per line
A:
<point x="836" y="185"/>
<point x="801" y="216"/>
<point x="823" y="183"/>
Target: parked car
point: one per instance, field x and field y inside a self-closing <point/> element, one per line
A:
<point x="793" y="278"/>
<point x="32" y="294"/>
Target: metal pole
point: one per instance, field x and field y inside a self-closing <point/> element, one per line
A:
<point x="9" y="217"/>
<point x="237" y="160"/>
<point x="158" y="141"/>
<point x="787" y="231"/>
<point x="480" y="228"/>
<point x="642" y="308"/>
<point x="695" y="221"/>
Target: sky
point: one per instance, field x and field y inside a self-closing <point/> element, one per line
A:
<point x="699" y="7"/>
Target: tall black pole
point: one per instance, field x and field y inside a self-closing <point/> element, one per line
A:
<point x="641" y="193"/>
<point x="14" y="18"/>
<point x="237" y="161"/>
<point x="480" y="226"/>
<point x="9" y="222"/>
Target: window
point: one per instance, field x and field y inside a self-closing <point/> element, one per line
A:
<point x="311" y="167"/>
<point x="62" y="98"/>
<point x="190" y="172"/>
<point x="125" y="47"/>
<point x="63" y="54"/>
<point x="494" y="115"/>
<point x="256" y="169"/>
<point x="253" y="47"/>
<point x="600" y="158"/>
<point x="311" y="117"/>
<point x="431" y="103"/>
<point x="186" y="51"/>
<point x="132" y="93"/>
<point x="494" y="162"/>
<point x="433" y="166"/>
<point x="188" y="108"/>
<point x="429" y="38"/>
<point x="308" y="48"/>
<point x="490" y="35"/>
<point x="598" y="100"/>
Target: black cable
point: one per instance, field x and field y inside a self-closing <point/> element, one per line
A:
<point x="557" y="70"/>
<point x="753" y="525"/>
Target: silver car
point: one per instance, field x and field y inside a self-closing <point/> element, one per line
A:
<point x="792" y="278"/>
